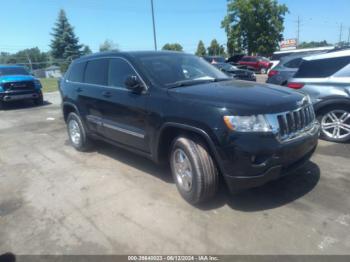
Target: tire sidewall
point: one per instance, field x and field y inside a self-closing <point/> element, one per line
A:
<point x="192" y="195"/>
<point x="83" y="140"/>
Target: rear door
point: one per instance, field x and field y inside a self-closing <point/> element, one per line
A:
<point x="124" y="112"/>
<point x="91" y="92"/>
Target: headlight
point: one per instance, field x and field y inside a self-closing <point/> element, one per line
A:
<point x="308" y="99"/>
<point x="256" y="123"/>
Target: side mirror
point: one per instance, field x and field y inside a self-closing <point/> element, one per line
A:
<point x="134" y="84"/>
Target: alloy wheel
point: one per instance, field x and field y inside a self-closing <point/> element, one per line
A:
<point x="74" y="131"/>
<point x="183" y="169"/>
<point x="336" y="124"/>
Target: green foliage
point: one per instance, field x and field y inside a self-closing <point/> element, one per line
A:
<point x="65" y="44"/>
<point x="314" y="44"/>
<point x="33" y="58"/>
<point x="201" y="51"/>
<point x="254" y="25"/>
<point x="173" y="47"/>
<point x="86" y="50"/>
<point x="108" y="45"/>
<point x="216" y="49"/>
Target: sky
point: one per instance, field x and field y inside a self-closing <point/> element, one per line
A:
<point x="128" y="23"/>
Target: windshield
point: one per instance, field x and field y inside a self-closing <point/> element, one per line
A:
<point x="13" y="71"/>
<point x="169" y="69"/>
<point x="227" y="67"/>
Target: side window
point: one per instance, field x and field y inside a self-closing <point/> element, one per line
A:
<point x="97" y="72"/>
<point x="295" y="63"/>
<point x="119" y="69"/>
<point x="77" y="72"/>
<point x="322" y="67"/>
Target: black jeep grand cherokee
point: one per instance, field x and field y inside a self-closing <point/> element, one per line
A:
<point x="175" y="107"/>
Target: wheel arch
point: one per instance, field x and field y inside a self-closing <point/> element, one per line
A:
<point x="68" y="108"/>
<point x="331" y="102"/>
<point x="169" y="131"/>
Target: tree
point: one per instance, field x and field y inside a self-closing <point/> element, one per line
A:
<point x="108" y="45"/>
<point x="216" y="49"/>
<point x="31" y="57"/>
<point x="86" y="50"/>
<point x="65" y="44"/>
<point x="313" y="44"/>
<point x="201" y="51"/>
<point x="173" y="47"/>
<point x="254" y="25"/>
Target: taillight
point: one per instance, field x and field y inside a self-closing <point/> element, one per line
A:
<point x="295" y="85"/>
<point x="273" y="73"/>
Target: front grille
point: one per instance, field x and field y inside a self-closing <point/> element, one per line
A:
<point x="19" y="86"/>
<point x="292" y="123"/>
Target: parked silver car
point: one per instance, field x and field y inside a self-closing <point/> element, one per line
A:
<point x="286" y="68"/>
<point x="326" y="79"/>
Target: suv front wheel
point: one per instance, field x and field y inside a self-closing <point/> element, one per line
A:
<point x="77" y="133"/>
<point x="194" y="170"/>
<point x="335" y="123"/>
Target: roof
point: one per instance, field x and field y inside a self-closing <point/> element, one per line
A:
<point x="342" y="53"/>
<point x="127" y="54"/>
<point x="304" y="50"/>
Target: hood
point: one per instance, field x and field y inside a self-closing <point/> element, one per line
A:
<point x="16" y="78"/>
<point x="241" y="97"/>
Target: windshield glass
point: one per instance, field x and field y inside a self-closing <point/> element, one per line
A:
<point x="227" y="67"/>
<point x="168" y="69"/>
<point x="13" y="71"/>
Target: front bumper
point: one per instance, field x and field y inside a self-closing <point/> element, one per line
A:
<point x="253" y="161"/>
<point x="20" y="95"/>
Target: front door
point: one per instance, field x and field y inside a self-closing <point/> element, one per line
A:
<point x="124" y="112"/>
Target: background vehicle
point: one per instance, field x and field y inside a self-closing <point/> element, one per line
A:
<point x="256" y="63"/>
<point x="277" y="56"/>
<point x="286" y="69"/>
<point x="235" y="59"/>
<point x="326" y="79"/>
<point x="215" y="59"/>
<point x="235" y="72"/>
<point x="171" y="106"/>
<point x="17" y="84"/>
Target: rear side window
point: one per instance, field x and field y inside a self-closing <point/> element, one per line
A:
<point x="119" y="69"/>
<point x="322" y="68"/>
<point x="97" y="72"/>
<point x="76" y="73"/>
<point x="295" y="63"/>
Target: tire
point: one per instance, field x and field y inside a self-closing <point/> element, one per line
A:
<point x="204" y="173"/>
<point x="80" y="142"/>
<point x="39" y="101"/>
<point x="332" y="119"/>
<point x="1" y="105"/>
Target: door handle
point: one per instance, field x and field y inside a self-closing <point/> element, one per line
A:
<point x="106" y="94"/>
<point x="79" y="89"/>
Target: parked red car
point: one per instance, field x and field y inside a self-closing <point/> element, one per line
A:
<point x="257" y="63"/>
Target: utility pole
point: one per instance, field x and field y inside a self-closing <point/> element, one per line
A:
<point x="341" y="33"/>
<point x="30" y="61"/>
<point x="298" y="31"/>
<point x="349" y="37"/>
<point x="154" y="27"/>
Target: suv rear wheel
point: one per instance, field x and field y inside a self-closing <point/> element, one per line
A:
<point x="335" y="123"/>
<point x="194" y="170"/>
<point x="77" y="133"/>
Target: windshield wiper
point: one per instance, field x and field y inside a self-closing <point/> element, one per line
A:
<point x="196" y="82"/>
